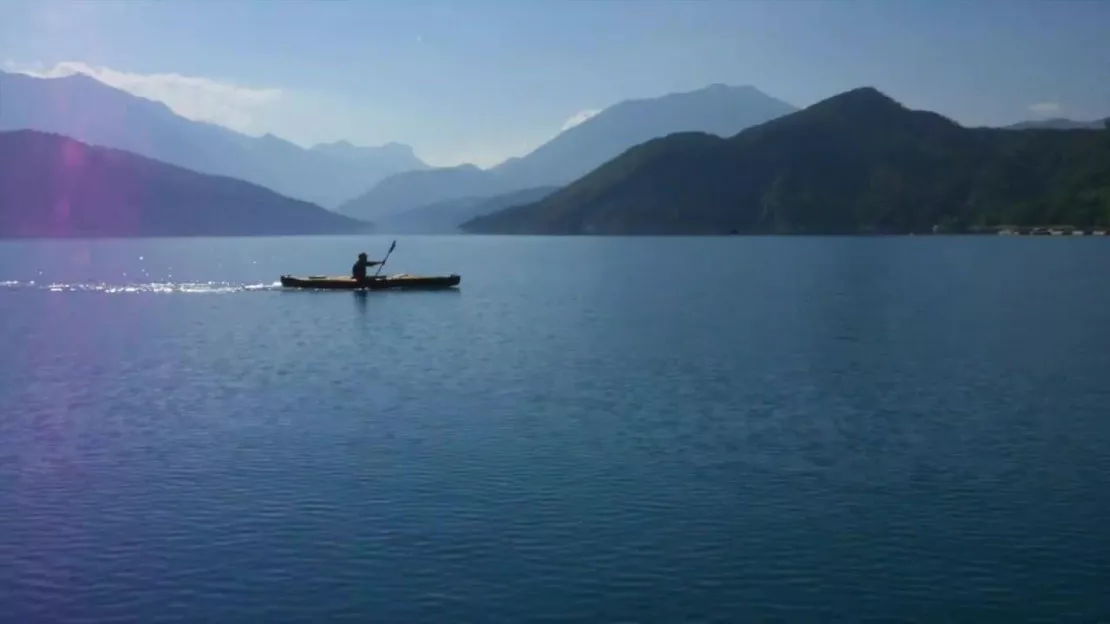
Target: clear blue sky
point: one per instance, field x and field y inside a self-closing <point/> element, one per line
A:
<point x="481" y="80"/>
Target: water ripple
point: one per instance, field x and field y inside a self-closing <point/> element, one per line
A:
<point x="844" y="433"/>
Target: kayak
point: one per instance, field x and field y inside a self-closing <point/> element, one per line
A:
<point x="382" y="282"/>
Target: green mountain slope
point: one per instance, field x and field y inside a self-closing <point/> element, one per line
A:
<point x="857" y="162"/>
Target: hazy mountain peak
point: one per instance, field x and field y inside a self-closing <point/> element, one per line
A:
<point x="66" y="91"/>
<point x="721" y="87"/>
<point x="344" y="147"/>
<point x="336" y="147"/>
<point x="718" y="109"/>
<point x="655" y="102"/>
<point x="272" y="139"/>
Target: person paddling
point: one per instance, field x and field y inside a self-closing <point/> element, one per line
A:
<point x="358" y="271"/>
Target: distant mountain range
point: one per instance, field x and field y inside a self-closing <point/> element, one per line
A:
<point x="54" y="186"/>
<point x="445" y="217"/>
<point x="79" y="158"/>
<point x="717" y="109"/>
<point x="858" y="162"/>
<point x="1058" y="123"/>
<point x="85" y="109"/>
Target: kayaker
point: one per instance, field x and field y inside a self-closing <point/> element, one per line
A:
<point x="358" y="271"/>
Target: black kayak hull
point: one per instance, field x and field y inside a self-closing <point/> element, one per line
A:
<point x="383" y="282"/>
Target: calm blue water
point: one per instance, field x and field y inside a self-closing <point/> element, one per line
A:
<point x="725" y="429"/>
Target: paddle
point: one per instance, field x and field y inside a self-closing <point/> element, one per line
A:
<point x="385" y="258"/>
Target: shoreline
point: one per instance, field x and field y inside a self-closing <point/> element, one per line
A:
<point x="1029" y="232"/>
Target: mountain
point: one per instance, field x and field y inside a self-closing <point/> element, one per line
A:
<point x="54" y="186"/>
<point x="1058" y="123"/>
<point x="445" y="217"/>
<point x="716" y="109"/>
<point x="415" y="189"/>
<point x="85" y="109"/>
<point x="854" y="163"/>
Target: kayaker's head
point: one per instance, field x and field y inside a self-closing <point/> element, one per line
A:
<point x="362" y="256"/>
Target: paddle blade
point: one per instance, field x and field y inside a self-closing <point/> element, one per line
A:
<point x="394" y="244"/>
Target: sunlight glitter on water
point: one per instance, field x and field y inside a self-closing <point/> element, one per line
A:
<point x="151" y="287"/>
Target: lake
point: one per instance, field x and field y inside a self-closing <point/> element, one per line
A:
<point x="594" y="429"/>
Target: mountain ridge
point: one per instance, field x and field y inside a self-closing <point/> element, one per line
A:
<point x="52" y="185"/>
<point x="445" y="217"/>
<point x="83" y="108"/>
<point x="856" y="162"/>
<point x="577" y="150"/>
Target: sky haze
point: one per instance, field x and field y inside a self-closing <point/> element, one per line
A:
<point x="484" y="80"/>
